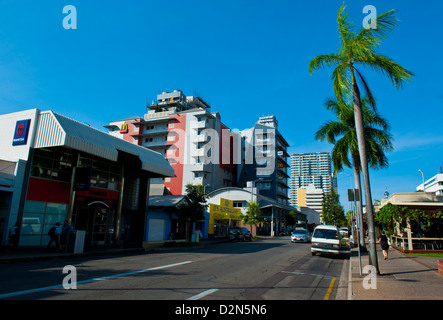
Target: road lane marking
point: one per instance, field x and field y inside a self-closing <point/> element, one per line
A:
<point x="328" y="294"/>
<point x="203" y="294"/>
<point x="308" y="274"/>
<point x="18" y="293"/>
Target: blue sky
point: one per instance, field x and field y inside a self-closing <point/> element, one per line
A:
<point x="247" y="58"/>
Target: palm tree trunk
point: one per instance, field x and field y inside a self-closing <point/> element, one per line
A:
<point x="359" y="125"/>
<point x="356" y="165"/>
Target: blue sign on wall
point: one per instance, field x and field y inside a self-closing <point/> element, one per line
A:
<point x="21" y="132"/>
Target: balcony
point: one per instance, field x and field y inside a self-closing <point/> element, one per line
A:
<point x="197" y="181"/>
<point x="199" y="124"/>
<point x="201" y="167"/>
<point x="155" y="143"/>
<point x="198" y="153"/>
<point x="201" y="138"/>
<point x="158" y="115"/>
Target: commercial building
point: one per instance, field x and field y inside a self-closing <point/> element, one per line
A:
<point x="204" y="151"/>
<point x="310" y="169"/>
<point x="55" y="169"/>
<point x="416" y="235"/>
<point x="310" y="197"/>
<point x="434" y="184"/>
<point x="200" y="148"/>
<point x="227" y="206"/>
<point x="265" y="160"/>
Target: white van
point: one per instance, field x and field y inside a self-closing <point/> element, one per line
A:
<point x="325" y="239"/>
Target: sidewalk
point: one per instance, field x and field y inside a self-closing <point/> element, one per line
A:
<point x="24" y="254"/>
<point x="403" y="277"/>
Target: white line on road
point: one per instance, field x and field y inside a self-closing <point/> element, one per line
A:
<point x="18" y="293"/>
<point x="203" y="294"/>
<point x="309" y="274"/>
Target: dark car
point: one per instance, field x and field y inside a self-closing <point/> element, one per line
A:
<point x="240" y="234"/>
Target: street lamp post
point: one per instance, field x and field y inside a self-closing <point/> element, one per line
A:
<point x="423" y="178"/>
<point x="358" y="215"/>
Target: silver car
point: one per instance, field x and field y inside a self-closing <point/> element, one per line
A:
<point x="300" y="235"/>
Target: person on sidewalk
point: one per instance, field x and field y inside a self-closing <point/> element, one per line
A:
<point x="384" y="244"/>
<point x="13" y="236"/>
<point x="54" y="233"/>
<point x="66" y="228"/>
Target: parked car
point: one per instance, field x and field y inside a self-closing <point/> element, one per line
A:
<point x="344" y="231"/>
<point x="240" y="234"/>
<point x="301" y="235"/>
<point x="247" y="235"/>
<point x="325" y="239"/>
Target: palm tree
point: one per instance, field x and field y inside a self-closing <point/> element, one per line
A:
<point x="358" y="49"/>
<point x="378" y="141"/>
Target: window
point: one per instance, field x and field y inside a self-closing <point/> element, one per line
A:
<point x="238" y="204"/>
<point x="54" y="164"/>
<point x="38" y="218"/>
<point x="325" y="234"/>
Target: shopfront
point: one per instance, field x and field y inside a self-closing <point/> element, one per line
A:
<point x="73" y="172"/>
<point x="222" y="217"/>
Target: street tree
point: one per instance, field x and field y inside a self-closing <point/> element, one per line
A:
<point x="332" y="211"/>
<point x="342" y="134"/>
<point x="359" y="49"/>
<point x="253" y="214"/>
<point x="292" y="218"/>
<point x="193" y="207"/>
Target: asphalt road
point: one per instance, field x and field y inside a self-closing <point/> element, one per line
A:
<point x="268" y="269"/>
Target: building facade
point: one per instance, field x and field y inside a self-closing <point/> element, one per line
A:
<point x="310" y="169"/>
<point x="265" y="160"/>
<point x="199" y="147"/>
<point x="434" y="184"/>
<point x="227" y="206"/>
<point x="59" y="169"/>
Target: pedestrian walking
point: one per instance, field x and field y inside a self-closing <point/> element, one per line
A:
<point x="13" y="236"/>
<point x="65" y="232"/>
<point x="54" y="233"/>
<point x="384" y="242"/>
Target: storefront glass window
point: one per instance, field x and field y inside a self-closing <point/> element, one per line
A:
<point x="55" y="164"/>
<point x="105" y="174"/>
<point x="38" y="218"/>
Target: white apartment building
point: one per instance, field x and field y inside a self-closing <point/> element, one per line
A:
<point x="194" y="141"/>
<point x="310" y="169"/>
<point x="268" y="149"/>
<point x="434" y="184"/>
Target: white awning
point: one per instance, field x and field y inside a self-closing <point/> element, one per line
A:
<point x="57" y="130"/>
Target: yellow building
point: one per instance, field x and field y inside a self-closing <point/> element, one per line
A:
<point x="223" y="216"/>
<point x="301" y="197"/>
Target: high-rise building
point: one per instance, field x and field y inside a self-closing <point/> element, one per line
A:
<point x="202" y="150"/>
<point x="310" y="169"/>
<point x="196" y="143"/>
<point x="267" y="147"/>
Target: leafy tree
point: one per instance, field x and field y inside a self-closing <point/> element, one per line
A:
<point x="292" y="218"/>
<point x="332" y="212"/>
<point x="193" y="207"/>
<point x="432" y="219"/>
<point x="359" y="49"/>
<point x="253" y="214"/>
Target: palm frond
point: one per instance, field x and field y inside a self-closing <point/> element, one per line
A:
<point x="341" y="82"/>
<point x="388" y="67"/>
<point x="324" y="60"/>
<point x="385" y="23"/>
<point x="344" y="25"/>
